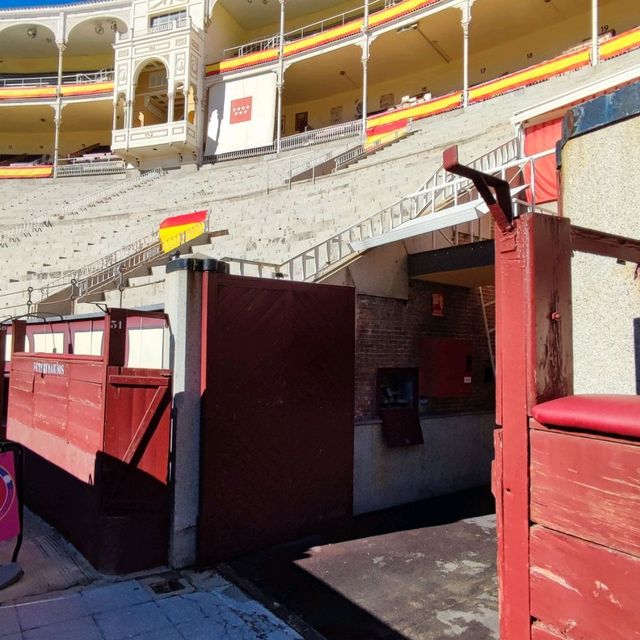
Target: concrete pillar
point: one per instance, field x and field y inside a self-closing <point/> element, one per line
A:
<point x="171" y="102"/>
<point x="183" y="305"/>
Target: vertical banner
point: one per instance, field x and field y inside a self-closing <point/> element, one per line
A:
<point x="241" y="114"/>
<point x="9" y="505"/>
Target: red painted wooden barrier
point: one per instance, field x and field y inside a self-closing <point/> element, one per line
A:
<point x="96" y="434"/>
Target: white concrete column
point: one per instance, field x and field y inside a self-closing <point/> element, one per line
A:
<point x="171" y="104"/>
<point x="280" y="79"/>
<point x="595" y="32"/>
<point x="183" y="306"/>
<point x="58" y="109"/>
<point x="466" y="20"/>
<point x="365" y="69"/>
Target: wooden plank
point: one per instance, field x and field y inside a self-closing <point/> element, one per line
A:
<point x="587" y="487"/>
<point x="139" y="381"/>
<point x="587" y="591"/>
<point x="605" y="244"/>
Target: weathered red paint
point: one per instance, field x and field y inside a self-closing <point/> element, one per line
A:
<point x="97" y="440"/>
<point x="587" y="591"/>
<point x="587" y="488"/>
<point x="277" y="423"/>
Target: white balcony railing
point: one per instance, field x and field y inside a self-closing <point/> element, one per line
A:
<point x="273" y="41"/>
<point x="104" y="75"/>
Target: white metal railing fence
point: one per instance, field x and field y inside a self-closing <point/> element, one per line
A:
<point x="170" y="25"/>
<point x="350" y="156"/>
<point x="91" y="168"/>
<point x="338" y="20"/>
<point x="68" y="78"/>
<point x="441" y="188"/>
<point x="296" y="141"/>
<point x="116" y="264"/>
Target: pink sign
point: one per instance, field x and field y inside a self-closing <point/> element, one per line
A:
<point x="9" y="518"/>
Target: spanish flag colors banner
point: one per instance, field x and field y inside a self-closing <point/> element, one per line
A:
<point x="50" y="91"/>
<point x="177" y="230"/>
<point x="36" y="171"/>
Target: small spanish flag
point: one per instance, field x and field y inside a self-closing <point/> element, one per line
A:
<point x="177" y="230"/>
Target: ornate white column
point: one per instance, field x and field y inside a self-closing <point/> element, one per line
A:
<point x="171" y="106"/>
<point x="280" y="78"/>
<point x="595" y="32"/>
<point x="465" y="21"/>
<point x="57" y="118"/>
<point x="365" y="69"/>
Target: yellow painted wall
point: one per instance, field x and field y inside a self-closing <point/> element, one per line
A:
<point x="49" y="65"/>
<point x="504" y="58"/>
<point x="42" y="143"/>
<point x="315" y="16"/>
<point x="224" y="32"/>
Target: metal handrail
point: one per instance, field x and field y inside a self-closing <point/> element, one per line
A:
<point x="319" y="26"/>
<point x="68" y="78"/>
<point x="440" y="188"/>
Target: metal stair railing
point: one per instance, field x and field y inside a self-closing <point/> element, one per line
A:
<point x="119" y="262"/>
<point x="440" y="188"/>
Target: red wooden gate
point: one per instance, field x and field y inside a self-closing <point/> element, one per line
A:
<point x="277" y="435"/>
<point x="96" y="434"/>
<point x="565" y="474"/>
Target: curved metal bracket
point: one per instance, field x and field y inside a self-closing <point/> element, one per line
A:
<point x="499" y="206"/>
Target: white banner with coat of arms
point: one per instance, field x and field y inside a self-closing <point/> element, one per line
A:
<point x="241" y="114"/>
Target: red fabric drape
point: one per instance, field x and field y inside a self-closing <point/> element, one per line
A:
<point x="540" y="137"/>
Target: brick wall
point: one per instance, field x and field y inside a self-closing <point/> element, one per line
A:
<point x="388" y="334"/>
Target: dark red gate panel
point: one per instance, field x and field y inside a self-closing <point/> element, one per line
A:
<point x="277" y="444"/>
<point x="96" y="438"/>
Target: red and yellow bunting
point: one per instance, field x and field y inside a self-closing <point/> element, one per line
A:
<point x="319" y="39"/>
<point x="531" y="75"/>
<point x="49" y="92"/>
<point x="177" y="230"/>
<point x="626" y="41"/>
<point x="39" y="171"/>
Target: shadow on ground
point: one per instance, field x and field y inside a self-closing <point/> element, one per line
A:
<point x="422" y="571"/>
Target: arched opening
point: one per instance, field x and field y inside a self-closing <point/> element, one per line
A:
<point x="90" y="45"/>
<point x="85" y="128"/>
<point x="28" y="50"/>
<point x="151" y="103"/>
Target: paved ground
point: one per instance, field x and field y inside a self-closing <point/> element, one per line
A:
<point x="61" y="597"/>
<point x="425" y="571"/>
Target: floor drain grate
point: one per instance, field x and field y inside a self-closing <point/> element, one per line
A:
<point x="164" y="587"/>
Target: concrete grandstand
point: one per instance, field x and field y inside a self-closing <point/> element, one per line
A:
<point x="117" y="116"/>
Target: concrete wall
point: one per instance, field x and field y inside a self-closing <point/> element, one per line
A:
<point x="456" y="455"/>
<point x="601" y="190"/>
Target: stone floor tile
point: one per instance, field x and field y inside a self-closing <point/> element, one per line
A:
<point x="78" y="629"/>
<point x="168" y="633"/>
<point x="115" y="596"/>
<point x="9" y="623"/>
<point x="179" y="609"/>
<point x="131" y="621"/>
<point x="45" y="612"/>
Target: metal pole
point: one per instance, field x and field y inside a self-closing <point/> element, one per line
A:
<point x="594" y="33"/>
<point x="466" y="19"/>
<point x="280" y="78"/>
<point x="365" y="69"/>
<point x="58" y="111"/>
